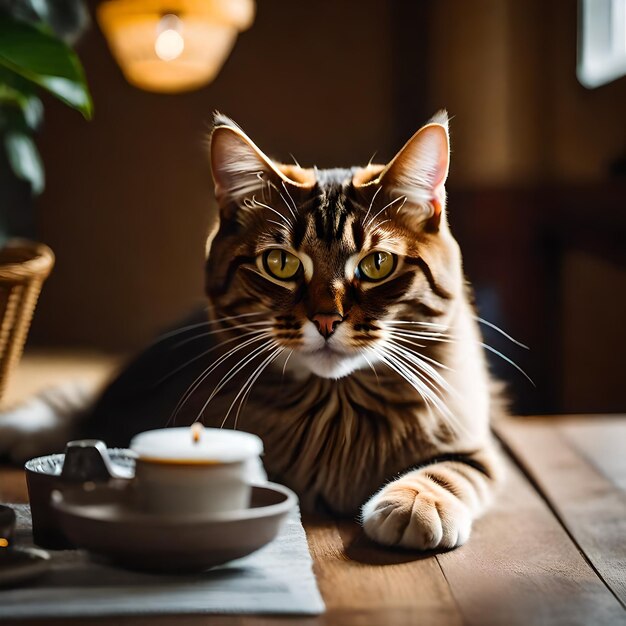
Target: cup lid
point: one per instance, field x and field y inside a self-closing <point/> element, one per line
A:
<point x="187" y="445"/>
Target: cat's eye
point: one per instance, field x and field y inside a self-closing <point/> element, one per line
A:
<point x="281" y="264"/>
<point x="376" y="266"/>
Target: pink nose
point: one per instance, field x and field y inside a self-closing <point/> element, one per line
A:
<point x="326" y="323"/>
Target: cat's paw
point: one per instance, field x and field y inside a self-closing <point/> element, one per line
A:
<point x="414" y="515"/>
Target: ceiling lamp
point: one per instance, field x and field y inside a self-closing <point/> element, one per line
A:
<point x="173" y="45"/>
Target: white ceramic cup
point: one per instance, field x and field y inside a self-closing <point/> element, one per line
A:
<point x="176" y="475"/>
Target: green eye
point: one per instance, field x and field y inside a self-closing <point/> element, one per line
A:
<point x="281" y="264"/>
<point x="376" y="266"/>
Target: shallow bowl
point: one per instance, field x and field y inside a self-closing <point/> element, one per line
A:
<point x="104" y="520"/>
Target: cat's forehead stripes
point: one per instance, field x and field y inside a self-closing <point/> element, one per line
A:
<point x="331" y="223"/>
<point x="331" y="213"/>
<point x="329" y="218"/>
<point x="325" y="215"/>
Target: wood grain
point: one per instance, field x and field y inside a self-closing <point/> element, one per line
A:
<point x="602" y="441"/>
<point x="590" y="505"/>
<point x="521" y="567"/>
<point x="356" y="576"/>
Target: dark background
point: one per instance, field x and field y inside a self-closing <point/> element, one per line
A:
<point x="536" y="196"/>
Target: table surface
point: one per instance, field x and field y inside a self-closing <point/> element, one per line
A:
<point x="551" y="551"/>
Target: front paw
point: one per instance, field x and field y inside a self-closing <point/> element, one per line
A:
<point x="418" y="516"/>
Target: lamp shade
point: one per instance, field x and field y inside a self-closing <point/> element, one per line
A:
<point x="172" y="45"/>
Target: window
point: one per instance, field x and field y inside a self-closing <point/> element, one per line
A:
<point x="601" y="41"/>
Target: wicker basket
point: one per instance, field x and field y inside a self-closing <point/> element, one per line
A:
<point x="24" y="265"/>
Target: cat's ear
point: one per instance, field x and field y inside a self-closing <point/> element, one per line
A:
<point x="239" y="166"/>
<point x="419" y="171"/>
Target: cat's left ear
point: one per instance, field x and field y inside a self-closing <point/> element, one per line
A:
<point x="419" y="171"/>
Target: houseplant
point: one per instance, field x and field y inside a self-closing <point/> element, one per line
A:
<point x="35" y="57"/>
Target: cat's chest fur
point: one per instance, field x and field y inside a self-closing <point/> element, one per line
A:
<point x="335" y="442"/>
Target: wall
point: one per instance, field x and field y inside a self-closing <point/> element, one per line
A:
<point x="527" y="139"/>
<point x="506" y="71"/>
<point x="592" y="330"/>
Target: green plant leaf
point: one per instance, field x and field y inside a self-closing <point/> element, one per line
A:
<point x="31" y="106"/>
<point x="45" y="61"/>
<point x="19" y="92"/>
<point x="24" y="159"/>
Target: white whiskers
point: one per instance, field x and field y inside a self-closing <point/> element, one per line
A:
<point x="293" y="202"/>
<point x="203" y="354"/>
<point x="183" y="329"/>
<point x="285" y="363"/>
<point x="247" y="326"/>
<point x="260" y="335"/>
<point x="372" y="203"/>
<point x="364" y="354"/>
<point x="430" y="388"/>
<point x="421" y="355"/>
<point x="397" y="331"/>
<point x="499" y="330"/>
<point x="403" y="352"/>
<point x="247" y="386"/>
<point x="509" y="361"/>
<point x="290" y="207"/>
<point x="389" y="204"/>
<point x="433" y="324"/>
<point x="230" y="375"/>
<point x="250" y="203"/>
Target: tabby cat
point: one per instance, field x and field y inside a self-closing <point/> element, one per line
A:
<point x="338" y="329"/>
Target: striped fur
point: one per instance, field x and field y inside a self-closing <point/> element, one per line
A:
<point x="387" y="418"/>
<point x="341" y="424"/>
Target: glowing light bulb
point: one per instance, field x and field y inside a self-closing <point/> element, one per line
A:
<point x="169" y="44"/>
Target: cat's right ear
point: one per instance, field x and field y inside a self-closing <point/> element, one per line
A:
<point x="237" y="164"/>
<point x="240" y="168"/>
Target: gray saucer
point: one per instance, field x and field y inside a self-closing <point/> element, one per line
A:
<point x="104" y="520"/>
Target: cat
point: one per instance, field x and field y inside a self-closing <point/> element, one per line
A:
<point x="339" y="328"/>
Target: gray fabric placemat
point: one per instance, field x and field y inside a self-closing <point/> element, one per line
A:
<point x="276" y="579"/>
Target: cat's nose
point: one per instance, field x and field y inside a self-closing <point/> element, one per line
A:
<point x="326" y="323"/>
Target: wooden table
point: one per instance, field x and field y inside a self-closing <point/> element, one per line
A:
<point x="551" y="551"/>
